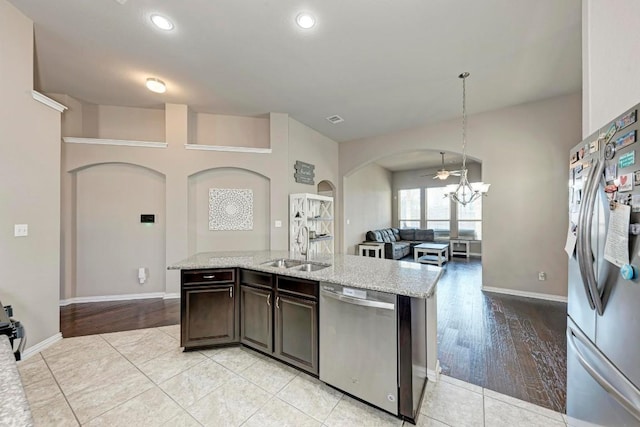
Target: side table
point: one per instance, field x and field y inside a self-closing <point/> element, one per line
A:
<point x="371" y="249"/>
<point x="459" y="247"/>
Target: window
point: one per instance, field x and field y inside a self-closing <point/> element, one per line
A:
<point x="409" y="206"/>
<point x="438" y="212"/>
<point x="470" y="220"/>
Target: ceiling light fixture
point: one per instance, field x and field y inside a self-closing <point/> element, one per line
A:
<point x="305" y="20"/>
<point x="156" y="85"/>
<point x="162" y="22"/>
<point x="463" y="192"/>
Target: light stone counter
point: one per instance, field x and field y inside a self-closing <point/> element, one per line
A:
<point x="14" y="407"/>
<point x="396" y="277"/>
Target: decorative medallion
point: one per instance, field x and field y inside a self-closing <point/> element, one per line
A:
<point x="230" y="209"/>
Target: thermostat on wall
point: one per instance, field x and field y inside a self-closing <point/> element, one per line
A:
<point x="147" y="218"/>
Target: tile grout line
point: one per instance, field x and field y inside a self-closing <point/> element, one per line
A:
<point x="132" y="364"/>
<point x="61" y="391"/>
<point x="484" y="411"/>
<point x="538" y="414"/>
<point x="158" y="385"/>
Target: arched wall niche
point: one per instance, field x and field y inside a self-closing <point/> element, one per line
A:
<point x="200" y="237"/>
<point x="110" y="242"/>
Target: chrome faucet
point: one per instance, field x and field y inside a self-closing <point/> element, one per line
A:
<point x="305" y="231"/>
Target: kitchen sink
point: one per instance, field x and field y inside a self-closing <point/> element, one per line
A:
<point x="284" y="263"/>
<point x="312" y="266"/>
<point x="297" y="264"/>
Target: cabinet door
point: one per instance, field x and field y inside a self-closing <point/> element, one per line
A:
<point x="256" y="324"/>
<point x="296" y="339"/>
<point x="208" y="315"/>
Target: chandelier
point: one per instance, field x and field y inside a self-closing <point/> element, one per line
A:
<point x="463" y="192"/>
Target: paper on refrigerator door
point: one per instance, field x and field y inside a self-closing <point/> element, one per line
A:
<point x="616" y="247"/>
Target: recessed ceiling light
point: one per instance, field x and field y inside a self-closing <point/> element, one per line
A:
<point x="162" y="22"/>
<point x="156" y="85"/>
<point x="305" y="20"/>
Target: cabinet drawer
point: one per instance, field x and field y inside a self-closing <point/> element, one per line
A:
<point x="301" y="287"/>
<point x="256" y="278"/>
<point x="208" y="276"/>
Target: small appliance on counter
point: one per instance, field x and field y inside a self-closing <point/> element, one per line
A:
<point x="13" y="329"/>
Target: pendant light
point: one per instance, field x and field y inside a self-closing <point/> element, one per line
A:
<point x="463" y="192"/>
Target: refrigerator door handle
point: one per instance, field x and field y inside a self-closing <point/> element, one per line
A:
<point x="583" y="251"/>
<point x="624" y="392"/>
<point x="592" y="197"/>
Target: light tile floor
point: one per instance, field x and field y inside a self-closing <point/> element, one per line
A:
<point x="142" y="378"/>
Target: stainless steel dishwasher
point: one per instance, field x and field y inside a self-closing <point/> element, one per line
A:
<point x="358" y="344"/>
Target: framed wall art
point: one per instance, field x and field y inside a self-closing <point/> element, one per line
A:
<point x="230" y="209"/>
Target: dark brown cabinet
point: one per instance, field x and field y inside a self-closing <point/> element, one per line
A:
<point x="256" y="315"/>
<point x="279" y="316"/>
<point x="296" y="322"/>
<point x="209" y="307"/>
<point x="296" y="338"/>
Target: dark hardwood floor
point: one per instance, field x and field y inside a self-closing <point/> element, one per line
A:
<point x="115" y="316"/>
<point x="512" y="345"/>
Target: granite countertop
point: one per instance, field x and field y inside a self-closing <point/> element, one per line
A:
<point x="385" y="275"/>
<point x="14" y="407"/>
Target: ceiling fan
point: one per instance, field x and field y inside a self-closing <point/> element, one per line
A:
<point x="443" y="174"/>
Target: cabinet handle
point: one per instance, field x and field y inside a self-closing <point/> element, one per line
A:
<point x="231" y="292"/>
<point x="277" y="302"/>
<point x="213" y="276"/>
<point x="269" y="300"/>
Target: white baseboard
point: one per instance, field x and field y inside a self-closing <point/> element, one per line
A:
<point x="41" y="346"/>
<point x="171" y="295"/>
<point x="537" y="295"/>
<point x="80" y="300"/>
<point x="434" y="375"/>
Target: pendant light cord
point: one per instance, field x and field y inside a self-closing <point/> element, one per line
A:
<point x="464" y="76"/>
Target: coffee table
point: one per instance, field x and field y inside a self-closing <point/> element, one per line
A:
<point x="431" y="253"/>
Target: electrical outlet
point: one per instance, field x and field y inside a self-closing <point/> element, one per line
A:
<point x="542" y="275"/>
<point x="278" y="223"/>
<point x="20" y="230"/>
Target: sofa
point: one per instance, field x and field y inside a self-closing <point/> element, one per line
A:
<point x="399" y="243"/>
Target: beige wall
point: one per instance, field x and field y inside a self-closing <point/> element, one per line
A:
<point x="201" y="239"/>
<point x="215" y="129"/>
<point x="610" y="60"/>
<point x="30" y="190"/>
<point x="114" y="122"/>
<point x="188" y="176"/>
<point x="310" y="146"/>
<point x="367" y="204"/>
<point x="109" y="201"/>
<point x="524" y="152"/>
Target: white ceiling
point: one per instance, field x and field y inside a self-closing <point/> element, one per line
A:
<point x="381" y="65"/>
<point x="424" y="159"/>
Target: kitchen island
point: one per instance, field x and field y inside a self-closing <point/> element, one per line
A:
<point x="366" y="326"/>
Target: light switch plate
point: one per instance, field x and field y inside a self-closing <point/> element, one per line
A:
<point x="278" y="223"/>
<point x="21" y="230"/>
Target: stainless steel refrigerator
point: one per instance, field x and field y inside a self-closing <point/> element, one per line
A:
<point x="603" y="325"/>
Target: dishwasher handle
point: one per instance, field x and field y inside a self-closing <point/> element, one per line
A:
<point x="358" y="301"/>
